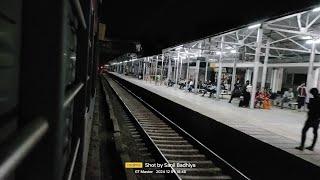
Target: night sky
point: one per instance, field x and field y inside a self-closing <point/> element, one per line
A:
<point x="160" y="24"/>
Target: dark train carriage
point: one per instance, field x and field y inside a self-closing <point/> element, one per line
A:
<point x="48" y="69"/>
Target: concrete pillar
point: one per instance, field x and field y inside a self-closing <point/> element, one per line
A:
<point x="187" y="75"/>
<point x="144" y="68"/>
<point x="265" y="63"/>
<point x="177" y="69"/>
<point x="149" y="66"/>
<point x="196" y="76"/>
<point x="248" y="75"/>
<point x="316" y="78"/>
<point x="276" y="79"/>
<point x="156" y="66"/>
<point x="234" y="73"/>
<point x="169" y="69"/>
<point x="139" y="67"/>
<point x="256" y="67"/>
<point x="162" y="59"/>
<point x="220" y="68"/>
<point x="174" y="69"/>
<point x="274" y="75"/>
<point x="206" y="72"/>
<point x="279" y="79"/>
<point x="310" y="78"/>
<point x="180" y="70"/>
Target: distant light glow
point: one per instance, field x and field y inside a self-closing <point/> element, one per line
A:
<point x="233" y="51"/>
<point x="316" y="9"/>
<point x="254" y="26"/>
<point x="73" y="57"/>
<point x="218" y="52"/>
<point x="228" y="47"/>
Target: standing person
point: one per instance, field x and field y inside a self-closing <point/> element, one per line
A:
<point x="312" y="121"/>
<point x="191" y="86"/>
<point x="302" y="93"/>
<point x="236" y="91"/>
<point x="287" y="96"/>
<point x="246" y="95"/>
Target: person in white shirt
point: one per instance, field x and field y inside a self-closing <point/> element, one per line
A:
<point x="302" y="93"/>
<point x="190" y="86"/>
<point x="287" y="96"/>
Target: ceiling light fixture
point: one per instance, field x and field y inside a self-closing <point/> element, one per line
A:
<point x="305" y="37"/>
<point x="311" y="41"/>
<point x="316" y="9"/>
<point x="254" y="26"/>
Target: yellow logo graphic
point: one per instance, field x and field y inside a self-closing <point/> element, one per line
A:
<point x="133" y="165"/>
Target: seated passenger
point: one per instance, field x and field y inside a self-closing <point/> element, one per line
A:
<point x="266" y="100"/>
<point x="182" y="83"/>
<point x="204" y="86"/>
<point x="287" y="97"/>
<point x="259" y="97"/>
<point x="190" y="85"/>
<point x="170" y="83"/>
<point x="211" y="88"/>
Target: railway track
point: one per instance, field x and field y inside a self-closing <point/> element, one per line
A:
<point x="188" y="157"/>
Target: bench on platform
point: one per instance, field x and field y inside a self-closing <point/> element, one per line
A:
<point x="224" y="92"/>
<point x="291" y="104"/>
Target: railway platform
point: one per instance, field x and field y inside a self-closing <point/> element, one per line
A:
<point x="280" y="128"/>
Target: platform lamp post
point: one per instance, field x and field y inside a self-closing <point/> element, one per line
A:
<point x="265" y="65"/>
<point x="220" y="68"/>
<point x="256" y="67"/>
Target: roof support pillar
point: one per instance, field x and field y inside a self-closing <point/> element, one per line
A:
<point x="144" y="68"/>
<point x="197" y="76"/>
<point x="177" y="69"/>
<point x="316" y="78"/>
<point x="265" y="63"/>
<point x="169" y="69"/>
<point x="139" y="67"/>
<point x="156" y="71"/>
<point x="310" y="77"/>
<point x="162" y="59"/>
<point x="248" y="75"/>
<point x="220" y="68"/>
<point x="180" y="71"/>
<point x="256" y="67"/>
<point x="234" y="73"/>
<point x="187" y="75"/>
<point x="206" y="72"/>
